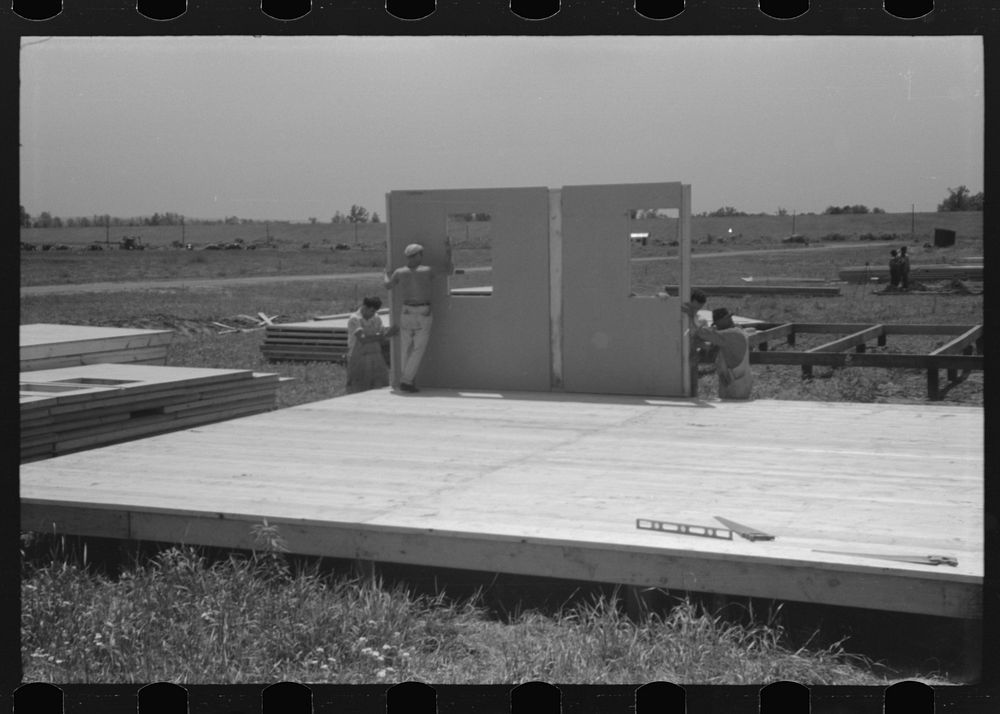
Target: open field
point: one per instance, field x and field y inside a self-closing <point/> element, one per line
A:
<point x="288" y="256"/>
<point x="192" y="311"/>
<point x="279" y="235"/>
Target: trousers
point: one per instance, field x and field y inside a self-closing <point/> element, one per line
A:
<point x="414" y="332"/>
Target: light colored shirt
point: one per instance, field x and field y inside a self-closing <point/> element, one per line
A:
<point x="732" y="364"/>
<point x="357" y="324"/>
<point x="732" y="342"/>
<point x="413" y="285"/>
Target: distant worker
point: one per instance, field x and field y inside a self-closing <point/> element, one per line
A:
<point x="904" y="269"/>
<point x="894" y="268"/>
<point x="695" y="346"/>
<point x="414" y="282"/>
<point x="732" y="361"/>
<point x="366" y="365"/>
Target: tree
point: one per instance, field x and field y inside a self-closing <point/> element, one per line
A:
<point x="338" y="217"/>
<point x="44" y="220"/>
<point x="25" y="218"/>
<point x="312" y="220"/>
<point x="359" y="214"/>
<point x="726" y="212"/>
<point x="960" y="199"/>
<point x="375" y="218"/>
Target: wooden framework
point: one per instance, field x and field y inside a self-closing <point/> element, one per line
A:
<point x="959" y="356"/>
<point x="559" y="315"/>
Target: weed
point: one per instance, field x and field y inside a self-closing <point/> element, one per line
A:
<point x="181" y="617"/>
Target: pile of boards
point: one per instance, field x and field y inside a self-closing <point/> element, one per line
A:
<point x="74" y="408"/>
<point x="921" y="273"/>
<point x="47" y="346"/>
<point x="323" y="339"/>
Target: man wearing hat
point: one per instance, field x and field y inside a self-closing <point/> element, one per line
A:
<point x="692" y="309"/>
<point x="414" y="282"/>
<point x="732" y="361"/>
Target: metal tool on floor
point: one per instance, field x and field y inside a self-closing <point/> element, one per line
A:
<point x="726" y="533"/>
<point x="918" y="559"/>
<point x="744" y="531"/>
<point x="684" y="529"/>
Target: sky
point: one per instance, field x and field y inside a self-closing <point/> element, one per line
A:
<point x="292" y="128"/>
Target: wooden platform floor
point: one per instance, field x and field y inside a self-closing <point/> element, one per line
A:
<point x="552" y="484"/>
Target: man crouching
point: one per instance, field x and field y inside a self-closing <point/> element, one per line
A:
<point x="732" y="361"/>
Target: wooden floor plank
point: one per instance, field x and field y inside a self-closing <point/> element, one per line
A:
<point x="539" y="473"/>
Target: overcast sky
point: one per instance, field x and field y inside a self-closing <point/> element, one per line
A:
<point x="299" y="127"/>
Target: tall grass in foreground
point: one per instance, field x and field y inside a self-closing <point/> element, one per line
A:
<point x="181" y="618"/>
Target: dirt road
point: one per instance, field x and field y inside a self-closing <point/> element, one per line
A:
<point x="210" y="283"/>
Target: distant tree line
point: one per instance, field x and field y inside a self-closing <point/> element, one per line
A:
<point x="47" y="220"/>
<point x="838" y="210"/>
<point x="958" y="199"/>
<point x="961" y="199"/>
<point x="357" y="214"/>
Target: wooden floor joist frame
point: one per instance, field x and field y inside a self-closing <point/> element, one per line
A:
<point x="958" y="357"/>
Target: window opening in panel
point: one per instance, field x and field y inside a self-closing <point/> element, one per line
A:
<point x="471" y="254"/>
<point x="653" y="235"/>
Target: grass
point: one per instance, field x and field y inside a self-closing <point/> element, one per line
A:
<point x="180" y="617"/>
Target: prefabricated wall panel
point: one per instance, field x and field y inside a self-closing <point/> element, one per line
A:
<point x="49" y="346"/>
<point x="495" y="341"/>
<point x="614" y="343"/>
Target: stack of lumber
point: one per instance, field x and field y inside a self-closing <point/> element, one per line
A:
<point x="46" y="346"/>
<point x="922" y="273"/>
<point x="321" y="340"/>
<point x="75" y="408"/>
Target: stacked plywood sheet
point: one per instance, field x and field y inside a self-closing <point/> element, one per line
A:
<point x="321" y="340"/>
<point x="74" y="408"/>
<point x="45" y="346"/>
<point x="923" y="273"/>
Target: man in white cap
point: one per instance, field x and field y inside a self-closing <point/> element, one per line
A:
<point x="414" y="283"/>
